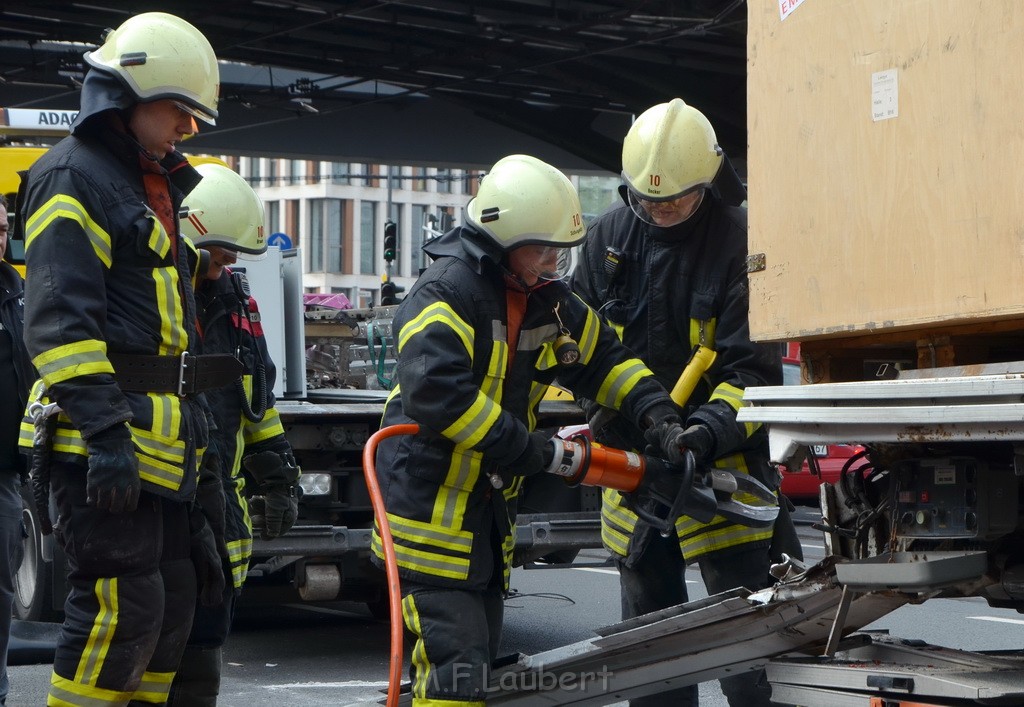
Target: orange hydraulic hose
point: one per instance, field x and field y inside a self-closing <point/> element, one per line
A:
<point x="390" y="560"/>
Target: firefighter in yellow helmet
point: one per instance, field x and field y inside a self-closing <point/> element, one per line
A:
<point x="666" y="268"/>
<point x="477" y="348"/>
<point x="225" y="217"/>
<point x="109" y="323"/>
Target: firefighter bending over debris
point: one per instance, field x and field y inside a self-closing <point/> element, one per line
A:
<point x="483" y="332"/>
<point x="109" y="323"/>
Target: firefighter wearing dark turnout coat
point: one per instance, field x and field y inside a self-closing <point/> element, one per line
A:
<point x="109" y="319"/>
<point x="476" y="352"/>
<point x="667" y="269"/>
<point x="225" y="219"/>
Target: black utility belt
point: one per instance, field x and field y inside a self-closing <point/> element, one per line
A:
<point x="181" y="375"/>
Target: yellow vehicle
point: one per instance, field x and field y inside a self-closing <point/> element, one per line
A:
<point x="12" y="161"/>
<point x="29" y="125"/>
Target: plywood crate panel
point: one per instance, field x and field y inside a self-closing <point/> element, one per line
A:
<point x="902" y="223"/>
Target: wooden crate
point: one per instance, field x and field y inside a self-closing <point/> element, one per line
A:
<point x="911" y="223"/>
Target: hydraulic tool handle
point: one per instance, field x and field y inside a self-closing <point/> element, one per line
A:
<point x="701" y="360"/>
<point x="580" y="461"/>
<point x="670" y="491"/>
<point x="390" y="559"/>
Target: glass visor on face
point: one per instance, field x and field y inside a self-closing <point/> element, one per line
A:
<point x="563" y="259"/>
<point x="195" y="113"/>
<point x="669" y="212"/>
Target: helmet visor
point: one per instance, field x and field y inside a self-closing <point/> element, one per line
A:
<point x="541" y="263"/>
<point x="666" y="213"/>
<point x="564" y="261"/>
<point x="195" y="113"/>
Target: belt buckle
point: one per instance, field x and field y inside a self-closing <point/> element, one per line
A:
<point x="181" y="374"/>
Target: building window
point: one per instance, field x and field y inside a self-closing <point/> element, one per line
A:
<point x="316" y="235"/>
<point x="444" y="181"/>
<point x="368" y="238"/>
<point x="325" y="242"/>
<point x="339" y="173"/>
<point x="272" y="212"/>
<point x="423" y="223"/>
<point x="255" y="175"/>
<point x="271" y="179"/>
<point x="419" y="179"/>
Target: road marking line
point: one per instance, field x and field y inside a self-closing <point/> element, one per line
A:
<point x="604" y="571"/>
<point x="997" y="619"/>
<point x="319" y="685"/>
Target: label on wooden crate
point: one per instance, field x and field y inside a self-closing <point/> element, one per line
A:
<point x="885" y="95"/>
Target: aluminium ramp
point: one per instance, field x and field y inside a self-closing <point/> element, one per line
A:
<point x="694" y="642"/>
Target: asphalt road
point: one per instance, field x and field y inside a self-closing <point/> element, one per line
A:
<point x="303" y="656"/>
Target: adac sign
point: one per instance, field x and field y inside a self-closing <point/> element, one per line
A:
<point x="35" y="122"/>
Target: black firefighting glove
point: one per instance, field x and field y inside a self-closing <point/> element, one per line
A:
<point x="210" y="580"/>
<point x="535" y="457"/>
<point x="655" y="424"/>
<point x="211" y="498"/>
<point x="112" y="482"/>
<point x="671" y="441"/>
<point x="276" y="474"/>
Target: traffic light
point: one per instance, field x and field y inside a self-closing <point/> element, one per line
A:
<point x="390" y="240"/>
<point x="389" y="290"/>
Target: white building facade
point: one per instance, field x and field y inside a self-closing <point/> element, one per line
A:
<point x="335" y="213"/>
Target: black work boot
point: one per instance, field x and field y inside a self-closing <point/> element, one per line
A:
<point x="197" y="682"/>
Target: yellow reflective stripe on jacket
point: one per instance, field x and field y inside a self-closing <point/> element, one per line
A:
<point x="620" y="380"/>
<point x="438" y="313"/>
<point x="81" y="358"/>
<point x="101" y="633"/>
<point x="426" y="562"/>
<point x="69" y="440"/>
<point x="159" y="241"/>
<point x="589" y="337"/>
<point x="154" y="688"/>
<point x="415" y="531"/>
<point x="453" y="494"/>
<point x="239" y="552"/>
<point x="173" y="337"/>
<point x="474" y="424"/>
<point x="733" y="396"/>
<point x="68" y="693"/>
<point x="537" y="391"/>
<point x="159" y="472"/>
<point x="64" y="206"/>
<point x="159" y="446"/>
<point x="617" y="522"/>
<point x="267" y="428"/>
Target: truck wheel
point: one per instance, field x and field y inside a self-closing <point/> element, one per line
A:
<point x="33" y="583"/>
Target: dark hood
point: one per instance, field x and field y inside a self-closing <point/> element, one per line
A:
<point x="101" y="92"/>
<point x="466" y="244"/>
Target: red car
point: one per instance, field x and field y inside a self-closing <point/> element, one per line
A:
<point x="801" y="486"/>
